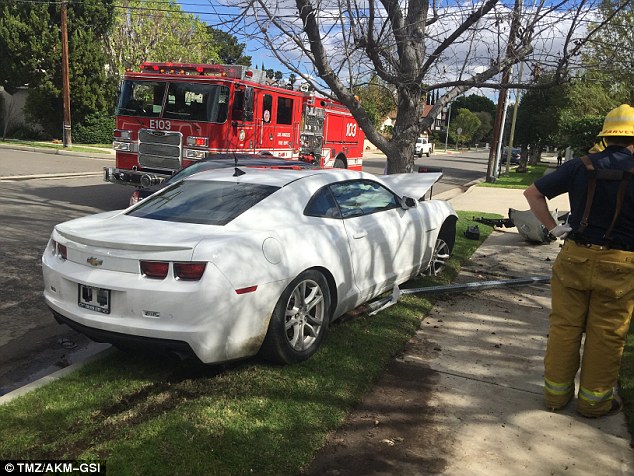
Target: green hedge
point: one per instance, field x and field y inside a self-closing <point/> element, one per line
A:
<point x="96" y="129"/>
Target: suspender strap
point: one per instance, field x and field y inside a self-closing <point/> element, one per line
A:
<point x="621" y="175"/>
<point x="592" y="185"/>
<point x="620" y="198"/>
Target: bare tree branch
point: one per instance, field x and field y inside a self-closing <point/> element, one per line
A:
<point x="418" y="46"/>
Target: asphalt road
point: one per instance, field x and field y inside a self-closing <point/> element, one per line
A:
<point x="459" y="167"/>
<point x="39" y="190"/>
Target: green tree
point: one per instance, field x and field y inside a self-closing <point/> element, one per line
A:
<point x="609" y="53"/>
<point x="581" y="133"/>
<point x="538" y="116"/>
<point x="468" y="123"/>
<point x="484" y="132"/>
<point x="30" y="42"/>
<point x="484" y="109"/>
<point x="229" y="50"/>
<point x="474" y="103"/>
<point x="377" y="99"/>
<point x="565" y="115"/>
<point x="155" y="30"/>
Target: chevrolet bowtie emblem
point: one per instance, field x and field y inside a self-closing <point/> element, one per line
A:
<point x="94" y="261"/>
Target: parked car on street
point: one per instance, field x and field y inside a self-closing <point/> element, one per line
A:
<point x="423" y="147"/>
<point x="516" y="155"/>
<point x="231" y="262"/>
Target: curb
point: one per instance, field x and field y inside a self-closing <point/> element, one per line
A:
<point x="48" y="150"/>
<point x="16" y="178"/>
<point x="92" y="356"/>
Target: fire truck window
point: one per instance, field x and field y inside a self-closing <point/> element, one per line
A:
<point x="284" y="111"/>
<point x="197" y="102"/>
<point x="237" y="112"/>
<point x="249" y="100"/>
<point x="267" y="106"/>
<point x="141" y="98"/>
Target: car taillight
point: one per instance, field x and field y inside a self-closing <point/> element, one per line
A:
<point x="155" y="269"/>
<point x="59" y="250"/>
<point x="189" y="271"/>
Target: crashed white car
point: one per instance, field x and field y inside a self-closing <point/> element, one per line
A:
<point x="226" y="264"/>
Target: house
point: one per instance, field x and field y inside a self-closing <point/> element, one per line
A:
<point x="12" y="109"/>
<point x="439" y="122"/>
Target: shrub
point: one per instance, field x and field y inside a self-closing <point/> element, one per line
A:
<point x="27" y="132"/>
<point x="96" y="129"/>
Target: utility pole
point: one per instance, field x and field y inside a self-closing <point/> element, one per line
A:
<point x="498" y="126"/>
<point x="66" y="137"/>
<point x="513" y="121"/>
<point x="447" y="132"/>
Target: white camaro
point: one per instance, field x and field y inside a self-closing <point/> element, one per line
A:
<point x="226" y="264"/>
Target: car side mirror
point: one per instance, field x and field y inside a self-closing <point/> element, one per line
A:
<point x="408" y="202"/>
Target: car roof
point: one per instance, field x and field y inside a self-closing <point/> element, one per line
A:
<point x="279" y="177"/>
<point x="243" y="160"/>
<point x="252" y="161"/>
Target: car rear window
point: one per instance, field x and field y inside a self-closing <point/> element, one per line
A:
<point x="201" y="201"/>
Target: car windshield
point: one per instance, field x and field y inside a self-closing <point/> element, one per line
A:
<point x="202" y="201"/>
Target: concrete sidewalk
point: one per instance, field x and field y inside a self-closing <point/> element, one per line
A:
<point x="490" y="363"/>
<point x="465" y="396"/>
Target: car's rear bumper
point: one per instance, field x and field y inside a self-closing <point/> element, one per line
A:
<point x="208" y="317"/>
<point x="180" y="348"/>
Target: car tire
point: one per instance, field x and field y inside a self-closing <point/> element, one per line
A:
<point x="428" y="154"/>
<point x="339" y="164"/>
<point x="442" y="248"/>
<point x="299" y="321"/>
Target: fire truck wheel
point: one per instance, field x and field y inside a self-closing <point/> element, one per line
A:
<point x="339" y="164"/>
<point x="299" y="321"/>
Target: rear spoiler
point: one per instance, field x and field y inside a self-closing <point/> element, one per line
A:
<point x="414" y="185"/>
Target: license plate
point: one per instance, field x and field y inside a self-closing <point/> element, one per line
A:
<point x="95" y="299"/>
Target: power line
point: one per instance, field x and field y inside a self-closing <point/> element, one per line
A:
<point x="233" y="15"/>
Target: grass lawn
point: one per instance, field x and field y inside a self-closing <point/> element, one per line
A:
<point x="517" y="180"/>
<point x="96" y="148"/>
<point x="149" y="415"/>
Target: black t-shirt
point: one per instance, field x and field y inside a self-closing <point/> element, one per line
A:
<point x="571" y="177"/>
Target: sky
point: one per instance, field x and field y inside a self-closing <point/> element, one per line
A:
<point x="211" y="13"/>
<point x="204" y="10"/>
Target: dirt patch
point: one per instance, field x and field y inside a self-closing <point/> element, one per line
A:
<point x="393" y="430"/>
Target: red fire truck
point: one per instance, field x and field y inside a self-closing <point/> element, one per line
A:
<point x="170" y="115"/>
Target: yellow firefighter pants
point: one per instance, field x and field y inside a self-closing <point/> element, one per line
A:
<point x="592" y="292"/>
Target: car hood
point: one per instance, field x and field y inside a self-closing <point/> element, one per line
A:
<point x="116" y="230"/>
<point x="414" y="185"/>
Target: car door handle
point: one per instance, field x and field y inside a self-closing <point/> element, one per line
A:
<point x="360" y="234"/>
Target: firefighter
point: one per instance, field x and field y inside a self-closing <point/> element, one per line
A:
<point x="593" y="276"/>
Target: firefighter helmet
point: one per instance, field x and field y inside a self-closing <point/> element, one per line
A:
<point x="619" y="122"/>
